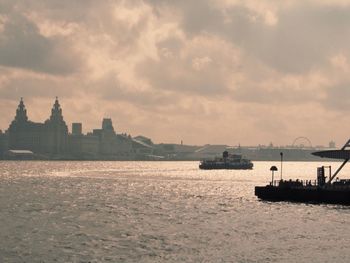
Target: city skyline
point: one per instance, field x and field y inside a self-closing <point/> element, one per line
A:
<point x="73" y="127"/>
<point x="216" y="72"/>
<point x="51" y="140"/>
<point x="299" y="141"/>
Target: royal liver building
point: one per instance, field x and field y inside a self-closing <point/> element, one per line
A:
<point x="49" y="138"/>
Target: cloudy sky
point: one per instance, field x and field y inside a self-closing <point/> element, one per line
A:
<point x="201" y="71"/>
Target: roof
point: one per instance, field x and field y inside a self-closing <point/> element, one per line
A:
<point x="212" y="149"/>
<point x="20" y="152"/>
<point x="334" y="154"/>
<point x="140" y="137"/>
<point x="141" y="143"/>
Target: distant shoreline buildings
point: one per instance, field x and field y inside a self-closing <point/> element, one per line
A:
<point x="52" y="140"/>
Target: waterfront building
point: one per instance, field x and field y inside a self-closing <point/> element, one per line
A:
<point x="77" y="128"/>
<point x="125" y="147"/>
<point x="90" y="145"/>
<point x="331" y="145"/>
<point x="142" y="146"/>
<point x="49" y="137"/>
<point x="111" y="144"/>
<point x="24" y="134"/>
<point x="108" y="144"/>
<point x="55" y="132"/>
<point x="3" y="143"/>
<point x="20" y="155"/>
<point x="83" y="146"/>
<point x="144" y="139"/>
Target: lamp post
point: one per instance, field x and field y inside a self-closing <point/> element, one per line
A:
<point x="281" y="153"/>
<point x="273" y="169"/>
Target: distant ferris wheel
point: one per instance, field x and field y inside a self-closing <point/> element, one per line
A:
<point x="300" y="140"/>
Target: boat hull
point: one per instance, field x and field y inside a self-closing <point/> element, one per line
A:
<point x="227" y="166"/>
<point x="330" y="195"/>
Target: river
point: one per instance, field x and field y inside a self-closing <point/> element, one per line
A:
<point x="162" y="212"/>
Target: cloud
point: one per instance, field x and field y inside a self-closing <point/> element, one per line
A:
<point x="22" y="46"/>
<point x="211" y="71"/>
<point x="292" y="38"/>
<point x="200" y="66"/>
<point x="24" y="84"/>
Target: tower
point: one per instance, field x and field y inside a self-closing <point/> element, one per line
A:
<point x="21" y="112"/>
<point x="56" y="131"/>
<point x="108" y="138"/>
<point x="77" y="128"/>
<point x="24" y="134"/>
<point x="107" y="125"/>
<point x="56" y="113"/>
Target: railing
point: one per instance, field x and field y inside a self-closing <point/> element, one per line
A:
<point x="343" y="184"/>
<point x="295" y="183"/>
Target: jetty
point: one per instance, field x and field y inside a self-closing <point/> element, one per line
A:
<point x="326" y="188"/>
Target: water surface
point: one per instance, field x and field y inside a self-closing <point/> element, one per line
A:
<point x="161" y="212"/>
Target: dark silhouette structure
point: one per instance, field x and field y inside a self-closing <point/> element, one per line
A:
<point x="47" y="138"/>
<point x="51" y="139"/>
<point x="227" y="161"/>
<point x="320" y="191"/>
<point x="56" y="131"/>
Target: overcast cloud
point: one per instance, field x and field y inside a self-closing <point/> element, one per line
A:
<point x="206" y="71"/>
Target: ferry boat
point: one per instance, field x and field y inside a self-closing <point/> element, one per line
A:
<point x="227" y="161"/>
<point x="325" y="189"/>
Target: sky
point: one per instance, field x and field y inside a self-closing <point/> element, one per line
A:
<point x="202" y="71"/>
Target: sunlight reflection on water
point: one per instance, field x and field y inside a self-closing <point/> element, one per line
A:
<point x="161" y="211"/>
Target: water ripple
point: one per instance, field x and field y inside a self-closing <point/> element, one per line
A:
<point x="160" y="212"/>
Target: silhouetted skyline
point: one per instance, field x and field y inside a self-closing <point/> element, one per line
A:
<point x="219" y="72"/>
